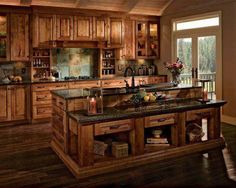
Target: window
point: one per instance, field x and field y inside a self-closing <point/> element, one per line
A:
<point x="196" y="23"/>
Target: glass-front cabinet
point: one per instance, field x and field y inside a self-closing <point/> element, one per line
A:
<point x="147" y="40"/>
<point x="4" y="41"/>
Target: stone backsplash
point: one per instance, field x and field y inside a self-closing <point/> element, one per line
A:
<point x="16" y="69"/>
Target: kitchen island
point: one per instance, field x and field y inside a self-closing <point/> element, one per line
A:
<point x="76" y="135"/>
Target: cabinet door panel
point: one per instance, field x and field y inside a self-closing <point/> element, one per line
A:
<point x="129" y="40"/>
<point x="116" y="32"/>
<point x="64" y="27"/>
<point x="5" y="102"/>
<point x="82" y="28"/>
<point x="19" y="37"/>
<point x="19" y="103"/>
<point x="100" y="28"/>
<point x="43" y="30"/>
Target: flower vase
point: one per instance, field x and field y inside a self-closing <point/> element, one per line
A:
<point x="175" y="79"/>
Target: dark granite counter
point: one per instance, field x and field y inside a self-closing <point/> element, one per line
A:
<point x="63" y="80"/>
<point x="117" y="113"/>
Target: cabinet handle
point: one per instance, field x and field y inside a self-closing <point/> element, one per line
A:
<point x="115" y="126"/>
<point x="192" y="72"/>
<point x="61" y="103"/>
<point x="203" y="114"/>
<point x="196" y="73"/>
<point x="40" y="87"/>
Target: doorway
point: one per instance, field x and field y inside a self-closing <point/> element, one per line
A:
<point x="200" y="51"/>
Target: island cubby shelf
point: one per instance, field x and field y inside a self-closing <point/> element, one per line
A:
<point x="90" y="145"/>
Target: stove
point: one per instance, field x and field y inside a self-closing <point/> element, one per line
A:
<point x="79" y="77"/>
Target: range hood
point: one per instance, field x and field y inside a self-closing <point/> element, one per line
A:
<point x="76" y="44"/>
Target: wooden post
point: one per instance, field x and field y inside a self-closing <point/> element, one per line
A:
<point x="139" y="136"/>
<point x="214" y="124"/>
<point x="181" y="127"/>
<point x="85" y="145"/>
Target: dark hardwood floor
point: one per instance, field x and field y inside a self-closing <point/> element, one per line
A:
<point x="26" y="160"/>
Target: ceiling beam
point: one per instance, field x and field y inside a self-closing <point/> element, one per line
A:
<point x="25" y="2"/>
<point x="166" y="5"/>
<point x="130" y="5"/>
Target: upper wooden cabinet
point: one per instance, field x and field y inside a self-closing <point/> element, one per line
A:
<point x="116" y="32"/>
<point x="147" y="39"/>
<point x="19" y="37"/>
<point x="83" y="28"/>
<point x="64" y="27"/>
<point x="4" y="38"/>
<point x="128" y="52"/>
<point x="43" y="29"/>
<point x="100" y="29"/>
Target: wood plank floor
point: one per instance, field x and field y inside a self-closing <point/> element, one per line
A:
<point x="26" y="160"/>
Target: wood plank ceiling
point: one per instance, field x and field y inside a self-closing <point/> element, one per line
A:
<point x="145" y="7"/>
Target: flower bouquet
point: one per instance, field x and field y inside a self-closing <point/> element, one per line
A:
<point x="175" y="69"/>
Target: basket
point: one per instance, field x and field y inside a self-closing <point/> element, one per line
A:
<point x="99" y="147"/>
<point x="120" y="149"/>
<point x="194" y="132"/>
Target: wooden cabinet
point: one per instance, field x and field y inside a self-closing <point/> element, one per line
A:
<point x="19" y="37"/>
<point x="19" y="102"/>
<point x="100" y="29"/>
<point x="42" y="99"/>
<point x="43" y="29"/>
<point x="83" y="28"/>
<point x="116" y="32"/>
<point x="157" y="79"/>
<point x="14" y="102"/>
<point x="5" y="101"/>
<point x="147" y="39"/>
<point x="64" y="27"/>
<point x="4" y="37"/>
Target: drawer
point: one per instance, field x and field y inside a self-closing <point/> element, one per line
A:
<point x="113" y="83"/>
<point x="156" y="80"/>
<point x="49" y="86"/>
<point x="61" y="103"/>
<point x="41" y="97"/>
<point x="159" y="120"/>
<point x="84" y="84"/>
<point x="198" y="114"/>
<point x="76" y="104"/>
<point x="59" y="118"/>
<point x="42" y="111"/>
<point x="113" y="127"/>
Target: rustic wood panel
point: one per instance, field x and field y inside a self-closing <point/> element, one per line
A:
<point x="5" y="101"/>
<point x="83" y="28"/>
<point x="19" y="37"/>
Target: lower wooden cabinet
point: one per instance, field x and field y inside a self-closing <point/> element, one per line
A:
<point x="14" y="102"/>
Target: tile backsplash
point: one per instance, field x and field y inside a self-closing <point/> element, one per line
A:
<point x="16" y="69"/>
<point x="76" y="61"/>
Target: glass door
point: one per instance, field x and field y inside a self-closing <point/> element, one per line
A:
<point x="198" y="54"/>
<point x="206" y="69"/>
<point x="184" y="53"/>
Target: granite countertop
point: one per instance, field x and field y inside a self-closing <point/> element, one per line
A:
<point x="117" y="113"/>
<point x="63" y="80"/>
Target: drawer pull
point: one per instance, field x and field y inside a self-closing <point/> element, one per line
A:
<point x="115" y="127"/>
<point x="40" y="87"/>
<point x="61" y="103"/>
<point x="203" y="114"/>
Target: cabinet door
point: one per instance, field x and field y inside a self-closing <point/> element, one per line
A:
<point x="64" y="27"/>
<point x="153" y="40"/>
<point x="5" y="101"/>
<point x="83" y="28"/>
<point x="128" y="52"/>
<point x="43" y="29"/>
<point x="19" y="37"/>
<point x="100" y="28"/>
<point x="141" y="39"/>
<point x="19" y="102"/>
<point x="116" y="32"/>
<point x="4" y="38"/>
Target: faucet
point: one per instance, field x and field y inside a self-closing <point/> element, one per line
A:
<point x="132" y="74"/>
